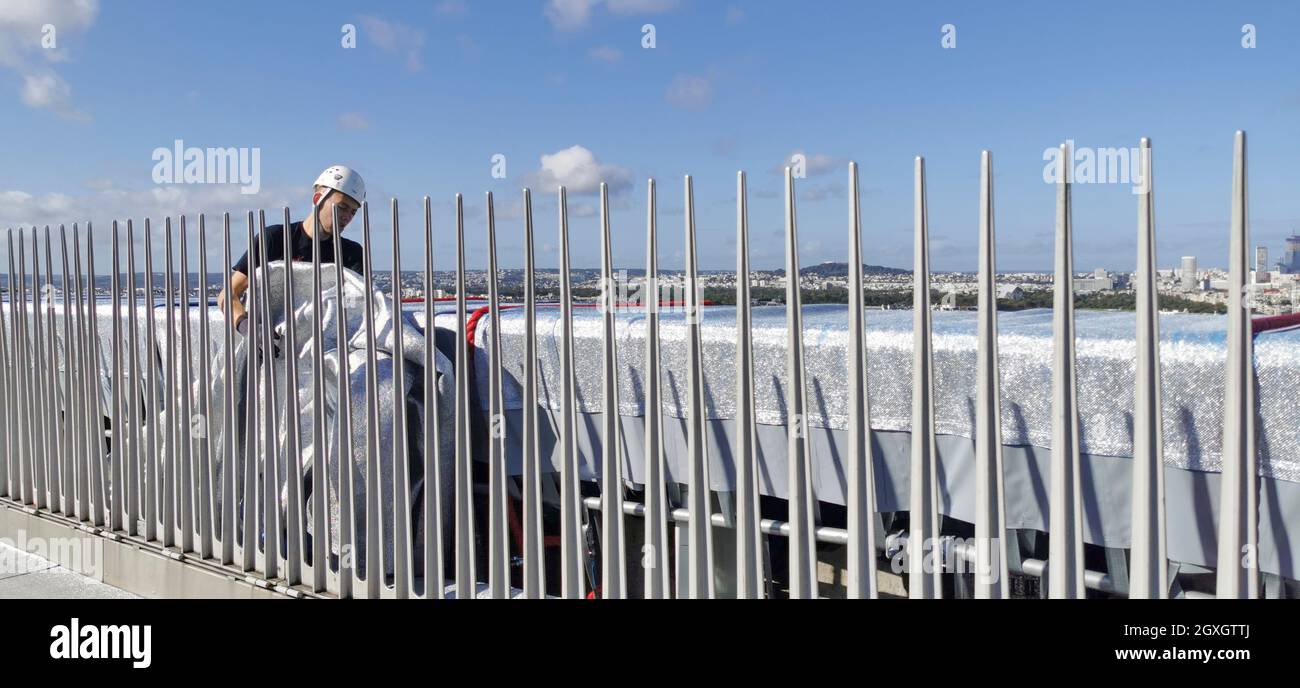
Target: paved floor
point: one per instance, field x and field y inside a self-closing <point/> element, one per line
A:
<point x="27" y="576"/>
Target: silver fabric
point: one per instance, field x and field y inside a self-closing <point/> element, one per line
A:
<point x="155" y="344"/>
<point x="271" y="283"/>
<point x="1192" y="357"/>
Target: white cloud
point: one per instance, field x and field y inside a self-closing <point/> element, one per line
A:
<point x="690" y="91"/>
<point x="452" y="8"/>
<point x="578" y="170"/>
<point x="23" y="28"/>
<point x="815" y="164"/>
<point x="353" y="120"/>
<point x="102" y="206"/>
<point x="394" y="38"/>
<point x="606" y="54"/>
<point x="567" y="15"/>
<point x="48" y="91"/>
<point x="21" y="211"/>
<point x="25" y="18"/>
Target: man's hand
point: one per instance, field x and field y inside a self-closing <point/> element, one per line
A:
<point x="271" y="348"/>
<point x="238" y="283"/>
<point x="238" y="314"/>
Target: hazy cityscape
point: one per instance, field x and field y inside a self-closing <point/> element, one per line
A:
<point x="1275" y="286"/>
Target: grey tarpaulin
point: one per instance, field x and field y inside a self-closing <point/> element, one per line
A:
<point x="1192" y="352"/>
<point x="354" y="353"/>
<point x="155" y="344"/>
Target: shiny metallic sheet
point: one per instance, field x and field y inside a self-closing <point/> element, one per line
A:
<point x="1192" y="357"/>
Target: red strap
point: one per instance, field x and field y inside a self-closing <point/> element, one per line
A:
<point x="1274" y="322"/>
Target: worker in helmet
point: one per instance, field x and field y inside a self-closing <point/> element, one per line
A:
<point x="338" y="186"/>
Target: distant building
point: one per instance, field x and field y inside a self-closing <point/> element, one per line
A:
<point x="1087" y="284"/>
<point x="1099" y="281"/>
<point x="1290" y="264"/>
<point x="1261" y="265"/>
<point x="1187" y="275"/>
<point x="1010" y="292"/>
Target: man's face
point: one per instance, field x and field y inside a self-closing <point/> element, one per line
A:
<point x="347" y="208"/>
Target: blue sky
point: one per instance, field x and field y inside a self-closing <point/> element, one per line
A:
<point x="434" y="89"/>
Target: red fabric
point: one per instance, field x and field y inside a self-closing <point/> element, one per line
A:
<point x="1274" y="322"/>
<point x="471" y="325"/>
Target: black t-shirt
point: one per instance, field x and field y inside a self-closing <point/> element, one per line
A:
<point x="353" y="256"/>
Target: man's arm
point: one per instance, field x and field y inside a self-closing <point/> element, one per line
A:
<point x="238" y="285"/>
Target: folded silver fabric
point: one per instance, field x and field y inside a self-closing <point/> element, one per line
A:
<point x="1192" y="357"/>
<point x="353" y="354"/>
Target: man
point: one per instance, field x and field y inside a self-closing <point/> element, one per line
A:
<point x="338" y="186"/>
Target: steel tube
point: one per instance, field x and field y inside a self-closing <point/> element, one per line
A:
<point x="861" y="495"/>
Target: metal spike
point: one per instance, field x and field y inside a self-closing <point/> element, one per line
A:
<point x="117" y="488"/>
<point x="613" y="559"/>
<point x="924" y="498"/>
<point x="230" y="453"/>
<point x="207" y="506"/>
<point x="466" y="583"/>
<point x="54" y="459"/>
<point x="1238" y="561"/>
<point x="1148" y="568"/>
<point x="247" y="545"/>
<point x="171" y="459"/>
<point x="96" y="418"/>
<point x="571" y="540"/>
<point x="991" y="575"/>
<point x="861" y="474"/>
<point x="84" y="428"/>
<point x="434" y="585"/>
<point x="700" y="495"/>
<point x="498" y="530"/>
<point x="39" y="407"/>
<point x="294" y="554"/>
<point x="1065" y="519"/>
<point x="8" y="371"/>
<point x="22" y="356"/>
<point x="185" y="426"/>
<point x="657" y="584"/>
<point x="534" y="552"/>
<point x="50" y="380"/>
<point x="319" y="530"/>
<point x="374" y="563"/>
<point x="401" y="465"/>
<point x="152" y="477"/>
<point x="133" y="505"/>
<point x="273" y="554"/>
<point x="749" y="539"/>
<point x="72" y="400"/>
<point x="347" y="577"/>
<point x="803" y="543"/>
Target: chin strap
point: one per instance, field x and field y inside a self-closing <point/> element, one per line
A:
<point x="315" y="213"/>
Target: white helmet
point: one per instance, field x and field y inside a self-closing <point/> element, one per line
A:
<point x="345" y="179"/>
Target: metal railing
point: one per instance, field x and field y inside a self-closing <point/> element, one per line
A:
<point x="113" y="447"/>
